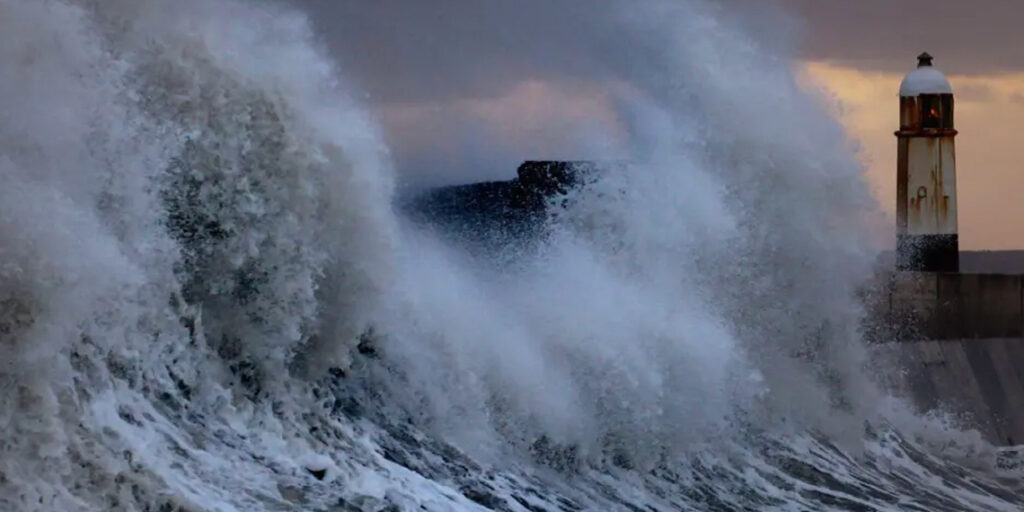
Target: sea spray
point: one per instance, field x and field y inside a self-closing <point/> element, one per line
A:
<point x="727" y="251"/>
<point x="209" y="304"/>
<point x="163" y="218"/>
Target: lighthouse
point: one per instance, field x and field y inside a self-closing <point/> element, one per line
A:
<point x="926" y="226"/>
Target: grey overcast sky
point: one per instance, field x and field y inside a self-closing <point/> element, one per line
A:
<point x="466" y="89"/>
<point x="414" y="50"/>
<point x="443" y="47"/>
<point x="971" y="36"/>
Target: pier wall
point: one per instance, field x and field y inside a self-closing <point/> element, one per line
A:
<point x="956" y="342"/>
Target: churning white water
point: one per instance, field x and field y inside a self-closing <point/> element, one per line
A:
<point x="209" y="303"/>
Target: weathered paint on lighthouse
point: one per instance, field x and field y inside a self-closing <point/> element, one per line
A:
<point x="926" y="212"/>
<point x="931" y="189"/>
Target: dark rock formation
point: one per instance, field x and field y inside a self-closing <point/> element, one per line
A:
<point x="500" y="214"/>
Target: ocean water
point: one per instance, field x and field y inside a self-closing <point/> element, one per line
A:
<point x="209" y="302"/>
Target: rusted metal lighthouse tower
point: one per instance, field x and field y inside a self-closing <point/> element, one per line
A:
<point x="926" y="226"/>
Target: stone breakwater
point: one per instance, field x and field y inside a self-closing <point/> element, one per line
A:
<point x="955" y="343"/>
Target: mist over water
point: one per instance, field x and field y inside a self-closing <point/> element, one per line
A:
<point x="209" y="302"/>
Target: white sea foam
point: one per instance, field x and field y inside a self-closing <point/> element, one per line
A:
<point x="196" y="232"/>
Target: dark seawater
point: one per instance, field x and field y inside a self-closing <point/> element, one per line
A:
<point x="209" y="302"/>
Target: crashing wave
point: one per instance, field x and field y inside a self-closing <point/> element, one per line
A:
<point x="208" y="303"/>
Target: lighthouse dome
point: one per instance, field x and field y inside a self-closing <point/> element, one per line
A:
<point x="925" y="79"/>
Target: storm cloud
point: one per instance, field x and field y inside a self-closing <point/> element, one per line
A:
<point x="967" y="37"/>
<point x="466" y="90"/>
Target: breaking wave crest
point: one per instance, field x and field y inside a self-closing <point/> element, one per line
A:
<point x="208" y="302"/>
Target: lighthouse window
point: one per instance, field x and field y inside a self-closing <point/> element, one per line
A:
<point x="931" y="112"/>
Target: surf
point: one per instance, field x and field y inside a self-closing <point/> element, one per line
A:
<point x="212" y="299"/>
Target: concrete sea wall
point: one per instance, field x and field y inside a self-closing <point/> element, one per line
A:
<point x="956" y="343"/>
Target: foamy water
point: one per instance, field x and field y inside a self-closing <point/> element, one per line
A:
<point x="209" y="303"/>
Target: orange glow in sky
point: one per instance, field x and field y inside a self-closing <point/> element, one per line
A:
<point x="990" y="172"/>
